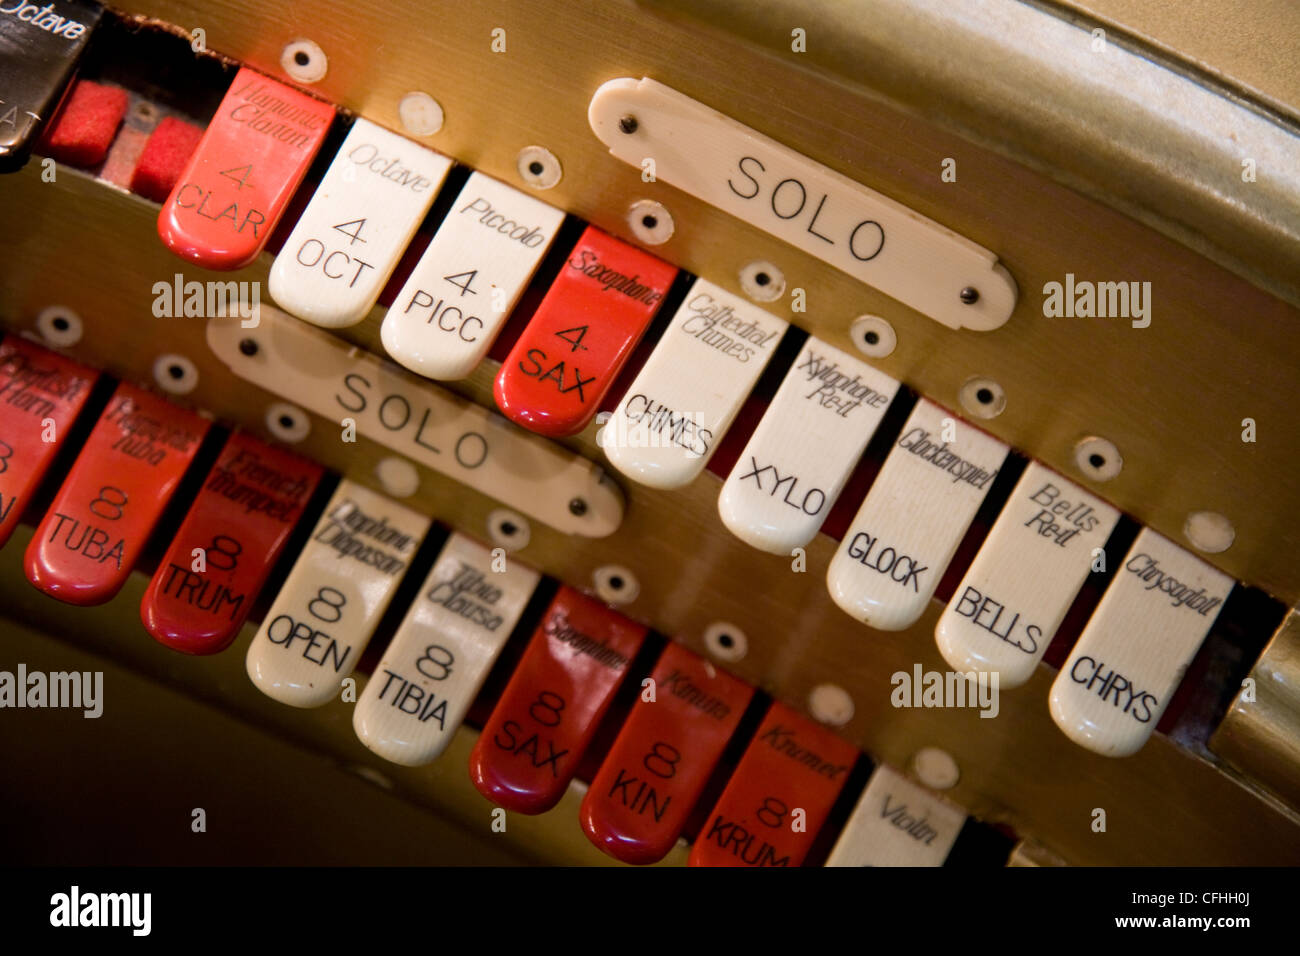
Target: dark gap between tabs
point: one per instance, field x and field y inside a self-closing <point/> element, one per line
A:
<point x="731" y="445"/>
<point x="499" y="675"/>
<point x="68" y="449"/>
<point x="648" y="342"/>
<point x="301" y="534"/>
<point x="407" y="593"/>
<point x="731" y="754"/>
<point x="457" y="176"/>
<point x="854" y="786"/>
<point x="302" y="196"/>
<point x="566" y="237"/>
<point x="182" y="499"/>
<point x="863" y="475"/>
<point x="990" y="508"/>
<point x="1094" y="585"/>
<point x="620" y="707"/>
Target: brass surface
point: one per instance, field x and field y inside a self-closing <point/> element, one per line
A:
<point x="1253" y="44"/>
<point x="1261" y="737"/>
<point x="1171" y="397"/>
<point x="1106" y="113"/>
<point x="265" y="800"/>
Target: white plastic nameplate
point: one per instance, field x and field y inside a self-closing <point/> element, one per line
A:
<point x="442" y="652"/>
<point x="339" y="588"/>
<point x="359" y="222"/>
<point x="1006" y="610"/>
<point x="855" y="229"/>
<point x="1110" y="693"/>
<point x="797" y="460"/>
<point x="913" y="518"/>
<point x="690" y="389"/>
<point x="897" y="823"/>
<point x="425" y="423"/>
<point x="467" y="282"/>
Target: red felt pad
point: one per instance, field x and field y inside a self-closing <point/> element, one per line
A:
<point x="164" y="158"/>
<point x="84" y="129"/>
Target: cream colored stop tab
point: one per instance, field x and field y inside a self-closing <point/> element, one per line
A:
<point x="796" y="462"/>
<point x="339" y="588"/>
<point x="442" y="652"/>
<point x="1005" y="612"/>
<point x="467" y="282"/>
<point x="914" y="517"/>
<point x="897" y="823"/>
<point x="688" y="392"/>
<point x="1111" y="692"/>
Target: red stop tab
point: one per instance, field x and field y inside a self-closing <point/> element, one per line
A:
<point x="791" y="765"/>
<point x="241" y="177"/>
<point x="595" y="311"/>
<point x="638" y="803"/>
<point x="128" y="469"/>
<point x="236" y="529"/>
<point x="41" y="394"/>
<point x="544" y="721"/>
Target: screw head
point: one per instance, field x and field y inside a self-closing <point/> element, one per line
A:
<point x="628" y="124"/>
<point x="970" y="295"/>
<point x="578" y="507"/>
<point x="248" y="347"/>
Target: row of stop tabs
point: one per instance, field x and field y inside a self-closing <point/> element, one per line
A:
<point x="1050" y="537"/>
<point x="341" y="584"/>
<point x="1116" y="684"/>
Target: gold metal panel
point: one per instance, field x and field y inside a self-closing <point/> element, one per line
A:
<point x="1254" y="44"/>
<point x="1170" y="396"/>
<point x="1261" y="737"/>
<point x="265" y="801"/>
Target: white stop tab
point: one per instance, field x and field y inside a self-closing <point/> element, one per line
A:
<point x="914" y="517"/>
<point x="1006" y="610"/>
<point x="688" y="393"/>
<point x="467" y="282"/>
<point x="1109" y="695"/>
<point x="360" y="220"/>
<point x="335" y="595"/>
<point x="897" y="823"/>
<point x="442" y="652"/>
<point x="795" y="465"/>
